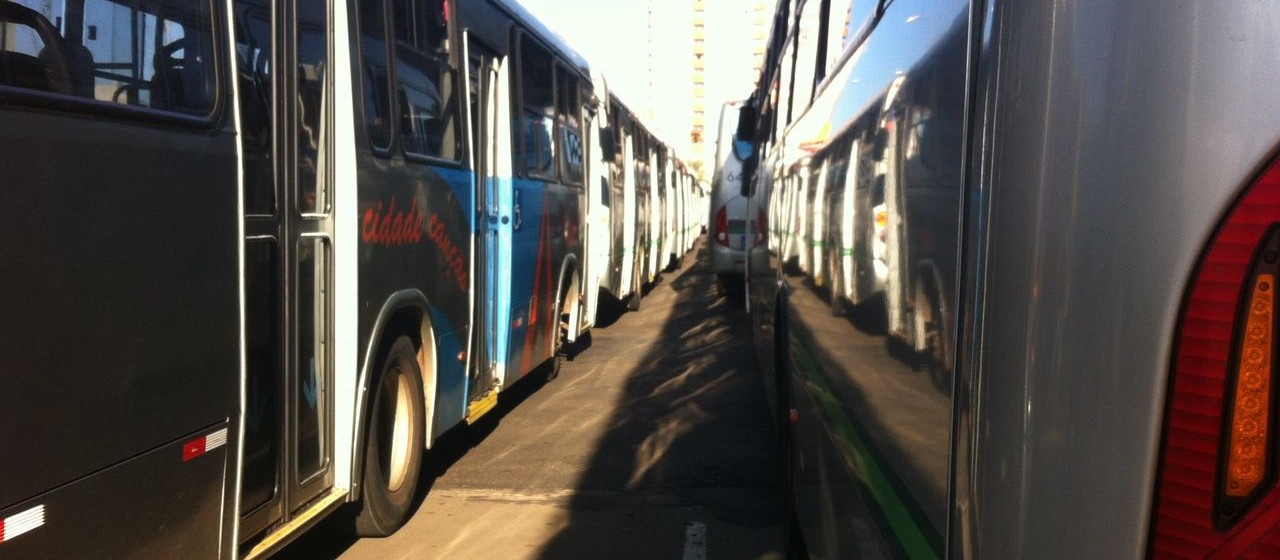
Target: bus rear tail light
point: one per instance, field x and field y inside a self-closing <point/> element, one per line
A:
<point x="1216" y="494"/>
<point x="722" y="226"/>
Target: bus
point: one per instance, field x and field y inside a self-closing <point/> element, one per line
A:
<point x="622" y="278"/>
<point x="729" y="209"/>
<point x="1016" y="301"/>
<point x="262" y="255"/>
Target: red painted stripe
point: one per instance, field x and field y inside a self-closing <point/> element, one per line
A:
<point x="1" y="530"/>
<point x="530" y="335"/>
<point x="193" y="449"/>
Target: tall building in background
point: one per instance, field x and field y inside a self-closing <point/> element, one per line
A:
<point x="728" y="53"/>
<point x="697" y="134"/>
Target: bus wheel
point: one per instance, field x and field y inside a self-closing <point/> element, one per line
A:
<point x="393" y="443"/>
<point x="929" y="344"/>
<point x="633" y="304"/>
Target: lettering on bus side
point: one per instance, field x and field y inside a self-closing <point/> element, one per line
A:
<point x="383" y="224"/>
<point x="455" y="260"/>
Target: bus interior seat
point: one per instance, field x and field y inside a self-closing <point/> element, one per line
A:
<point x="46" y="72"/>
<point x="80" y="68"/>
<point x="180" y="83"/>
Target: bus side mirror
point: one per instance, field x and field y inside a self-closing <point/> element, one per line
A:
<point x="746" y="122"/>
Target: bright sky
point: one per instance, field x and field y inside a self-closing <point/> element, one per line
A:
<point x="613" y="35"/>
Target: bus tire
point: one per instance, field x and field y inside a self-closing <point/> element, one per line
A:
<point x="561" y="334"/>
<point x="394" y="443"/>
<point x="633" y="304"/>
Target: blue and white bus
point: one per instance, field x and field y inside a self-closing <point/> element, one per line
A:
<point x="263" y="254"/>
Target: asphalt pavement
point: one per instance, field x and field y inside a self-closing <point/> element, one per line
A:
<point x="653" y="442"/>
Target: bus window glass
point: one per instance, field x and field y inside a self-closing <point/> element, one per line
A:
<point x="157" y="56"/>
<point x="312" y="100"/>
<point x="376" y="77"/>
<point x="806" y="57"/>
<point x="253" y="54"/>
<point x="536" y="88"/>
<point x="425" y="86"/>
<point x="784" y="89"/>
<point x="262" y="337"/>
<point x="838" y="32"/>
<point x="312" y="288"/>
<point x="569" y="115"/>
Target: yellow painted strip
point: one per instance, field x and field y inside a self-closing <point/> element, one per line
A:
<point x="478" y="408"/>
<point x="284" y="534"/>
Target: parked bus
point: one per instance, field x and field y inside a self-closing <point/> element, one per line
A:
<point x="622" y="280"/>
<point x="730" y="208"/>
<point x="264" y="255"/>
<point x="1067" y="215"/>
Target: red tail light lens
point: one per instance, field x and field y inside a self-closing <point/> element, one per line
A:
<point x="722" y="227"/>
<point x="1216" y="491"/>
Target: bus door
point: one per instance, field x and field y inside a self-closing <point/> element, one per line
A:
<point x="492" y="145"/>
<point x="599" y="238"/>
<point x="285" y="90"/>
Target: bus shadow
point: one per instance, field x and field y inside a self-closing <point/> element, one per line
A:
<point x="334" y="536"/>
<point x="689" y="438"/>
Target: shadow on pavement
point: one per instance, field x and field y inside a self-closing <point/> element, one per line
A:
<point x="690" y="432"/>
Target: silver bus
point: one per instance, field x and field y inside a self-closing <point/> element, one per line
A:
<point x="730" y="212"/>
<point x="1019" y="302"/>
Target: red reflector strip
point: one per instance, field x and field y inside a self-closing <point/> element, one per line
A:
<point x="204" y="444"/>
<point x="14" y="525"/>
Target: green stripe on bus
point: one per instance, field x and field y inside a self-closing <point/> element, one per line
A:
<point x="912" y="529"/>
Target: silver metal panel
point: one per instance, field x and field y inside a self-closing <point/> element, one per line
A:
<point x="1119" y="133"/>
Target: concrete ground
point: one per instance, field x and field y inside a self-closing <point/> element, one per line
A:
<point x="654" y="442"/>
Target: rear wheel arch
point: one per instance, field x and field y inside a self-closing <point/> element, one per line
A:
<point x="569" y="295"/>
<point x="406" y="313"/>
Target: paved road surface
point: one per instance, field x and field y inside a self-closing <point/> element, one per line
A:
<point x="654" y="442"/>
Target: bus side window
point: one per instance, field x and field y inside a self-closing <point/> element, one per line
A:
<point x="105" y="51"/>
<point x="424" y="88"/>
<point x="538" y="118"/>
<point x="377" y="88"/>
<point x="569" y="115"/>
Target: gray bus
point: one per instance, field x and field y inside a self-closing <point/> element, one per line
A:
<point x="1053" y="333"/>
<point x="730" y="212"/>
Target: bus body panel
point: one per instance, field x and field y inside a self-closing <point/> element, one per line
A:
<point x="176" y="513"/>
<point x="547" y="231"/>
<point x="617" y="280"/>
<point x="599" y="246"/>
<point x="871" y="413"/>
<point x="436" y="204"/>
<point x="1100" y="199"/>
<point x="1046" y="200"/>
<point x="87" y="294"/>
